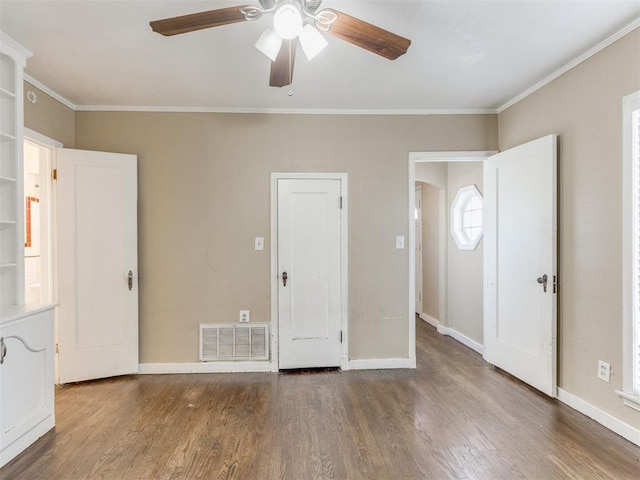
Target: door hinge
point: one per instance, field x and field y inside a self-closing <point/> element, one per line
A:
<point x="555" y="284"/>
<point x="57" y="348"/>
<point x="340" y="202"/>
<point x="54" y="174"/>
<point x="340" y="336"/>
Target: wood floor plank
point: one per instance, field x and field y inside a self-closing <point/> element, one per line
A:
<point x="454" y="417"/>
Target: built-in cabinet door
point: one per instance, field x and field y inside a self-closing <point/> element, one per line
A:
<point x="26" y="382"/>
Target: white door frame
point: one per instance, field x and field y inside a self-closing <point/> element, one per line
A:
<point x="426" y="157"/>
<point x="344" y="271"/>
<point x="418" y="254"/>
<point x="50" y="144"/>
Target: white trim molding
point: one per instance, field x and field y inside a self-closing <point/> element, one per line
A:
<point x="574" y="63"/>
<point x="630" y="392"/>
<point x="379" y="364"/>
<point x="318" y="111"/>
<point x="204" y="367"/>
<point x="463" y="339"/>
<point x="15" y="48"/>
<point x="462" y="156"/>
<point x="51" y="93"/>
<point x="612" y="423"/>
<point x="41" y="139"/>
<point x="434" y="322"/>
<point x="456" y="335"/>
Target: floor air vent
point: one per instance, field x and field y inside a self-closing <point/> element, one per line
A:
<point x="234" y="341"/>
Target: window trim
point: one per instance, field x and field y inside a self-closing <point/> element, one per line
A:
<point x="630" y="393"/>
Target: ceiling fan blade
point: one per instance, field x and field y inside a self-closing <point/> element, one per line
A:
<point x="282" y="68"/>
<point x="365" y="35"/>
<point x="198" y="21"/>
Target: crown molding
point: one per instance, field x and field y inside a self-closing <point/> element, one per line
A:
<point x="50" y="92"/>
<point x="7" y="40"/>
<point x="312" y="111"/>
<point x="575" y="62"/>
<point x="282" y="111"/>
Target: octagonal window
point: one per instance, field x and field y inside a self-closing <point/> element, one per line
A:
<point x="466" y="218"/>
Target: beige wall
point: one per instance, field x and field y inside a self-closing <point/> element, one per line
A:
<point x="584" y="107"/>
<point x="204" y="194"/>
<point x="49" y="117"/>
<point x="464" y="277"/>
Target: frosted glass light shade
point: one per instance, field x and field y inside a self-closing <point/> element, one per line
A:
<point x="269" y="43"/>
<point x="287" y="21"/>
<point x="312" y="41"/>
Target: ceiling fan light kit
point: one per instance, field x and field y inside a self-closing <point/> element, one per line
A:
<point x="270" y="43"/>
<point x="287" y="21"/>
<point x="293" y="20"/>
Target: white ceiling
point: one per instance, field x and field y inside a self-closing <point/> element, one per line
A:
<point x="468" y="55"/>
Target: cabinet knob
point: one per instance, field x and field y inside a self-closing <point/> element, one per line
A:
<point x="3" y="350"/>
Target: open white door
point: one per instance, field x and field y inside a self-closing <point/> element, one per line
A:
<point x="309" y="272"/>
<point x="520" y="262"/>
<point x="97" y="264"/>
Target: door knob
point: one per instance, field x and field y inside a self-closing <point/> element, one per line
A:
<point x="543" y="281"/>
<point x="284" y="279"/>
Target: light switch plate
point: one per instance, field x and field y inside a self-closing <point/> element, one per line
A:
<point x="259" y="243"/>
<point x="400" y="243"/>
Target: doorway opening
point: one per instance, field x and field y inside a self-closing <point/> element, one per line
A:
<point x="37" y="227"/>
<point x="452" y="287"/>
<point x="40" y="245"/>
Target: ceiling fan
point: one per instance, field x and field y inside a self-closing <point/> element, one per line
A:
<point x="293" y="20"/>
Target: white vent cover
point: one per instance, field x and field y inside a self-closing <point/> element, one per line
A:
<point x="234" y="341"/>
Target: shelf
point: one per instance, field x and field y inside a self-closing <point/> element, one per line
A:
<point x="8" y="265"/>
<point x="7" y="180"/>
<point x="6" y="93"/>
<point x="6" y="136"/>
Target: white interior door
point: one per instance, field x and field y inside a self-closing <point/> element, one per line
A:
<point x="309" y="266"/>
<point x="520" y="253"/>
<point x="418" y="248"/>
<point x="97" y="264"/>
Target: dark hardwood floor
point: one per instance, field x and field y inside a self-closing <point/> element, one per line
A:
<point x="455" y="417"/>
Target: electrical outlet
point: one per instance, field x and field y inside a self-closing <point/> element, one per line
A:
<point x="604" y="371"/>
<point x="244" y="316"/>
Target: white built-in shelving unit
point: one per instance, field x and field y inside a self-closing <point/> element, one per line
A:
<point x="26" y="332"/>
<point x="12" y="62"/>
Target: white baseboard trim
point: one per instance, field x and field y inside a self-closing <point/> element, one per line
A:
<point x="612" y="423"/>
<point x="463" y="339"/>
<point x="204" y="367"/>
<point x="434" y="322"/>
<point x="442" y="330"/>
<point x="379" y="364"/>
